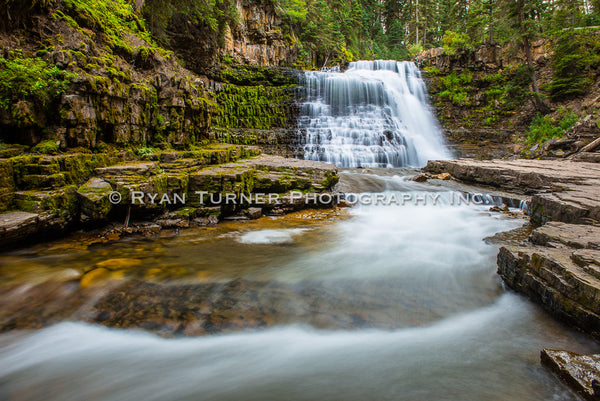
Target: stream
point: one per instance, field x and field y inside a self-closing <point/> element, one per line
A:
<point x="435" y="321"/>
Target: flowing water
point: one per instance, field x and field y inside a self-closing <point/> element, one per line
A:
<point x="380" y="302"/>
<point x="375" y="114"/>
<point x="439" y="325"/>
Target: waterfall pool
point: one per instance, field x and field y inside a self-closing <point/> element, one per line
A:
<point x="380" y="302"/>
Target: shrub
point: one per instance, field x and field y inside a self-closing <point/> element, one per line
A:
<point x="544" y="128"/>
<point x="456" y="87"/>
<point x="454" y="41"/>
<point x="30" y="79"/>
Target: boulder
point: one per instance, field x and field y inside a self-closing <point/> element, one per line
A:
<point x="559" y="268"/>
<point x="95" y="198"/>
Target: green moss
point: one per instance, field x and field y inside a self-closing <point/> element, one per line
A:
<point x="256" y="107"/>
<point x="23" y="78"/>
<point x="49" y="147"/>
<point x="186" y="212"/>
<point x="330" y="180"/>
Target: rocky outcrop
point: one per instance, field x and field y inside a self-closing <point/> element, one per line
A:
<point x="259" y="39"/>
<point x="127" y="91"/>
<point x="566" y="191"/>
<point x="487" y="56"/>
<point x="559" y="267"/>
<point x="166" y="189"/>
<point x="581" y="372"/>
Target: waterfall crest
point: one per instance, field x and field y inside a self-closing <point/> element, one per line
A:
<point x="375" y="114"/>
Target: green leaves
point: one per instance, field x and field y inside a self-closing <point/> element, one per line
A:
<point x="30" y="79"/>
<point x="576" y="61"/>
<point x="454" y="41"/>
<point x="544" y="128"/>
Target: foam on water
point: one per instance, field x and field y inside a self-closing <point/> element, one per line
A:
<point x="270" y="236"/>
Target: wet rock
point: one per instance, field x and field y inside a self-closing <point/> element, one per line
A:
<point x="499" y="209"/>
<point x="344" y="203"/>
<point x="442" y="176"/>
<point x="580" y="372"/>
<point x="168" y="157"/>
<point x="119" y="263"/>
<point x="205" y="221"/>
<point x="254" y="212"/>
<point x="421" y="177"/>
<point x="98" y="277"/>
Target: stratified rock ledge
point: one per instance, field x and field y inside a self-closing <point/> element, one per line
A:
<point x="559" y="268"/>
<point x="563" y="190"/>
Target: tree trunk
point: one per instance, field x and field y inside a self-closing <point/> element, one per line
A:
<point x="417" y="21"/>
<point x="491" y="16"/>
<point x="539" y="103"/>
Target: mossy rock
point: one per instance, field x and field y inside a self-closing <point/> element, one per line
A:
<point x="94" y="197"/>
<point x="49" y="147"/>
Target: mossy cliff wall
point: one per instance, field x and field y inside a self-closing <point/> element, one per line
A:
<point x="485" y="103"/>
<point x="112" y="83"/>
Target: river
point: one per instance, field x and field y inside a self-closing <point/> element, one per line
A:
<point x="438" y="325"/>
<point x="386" y="300"/>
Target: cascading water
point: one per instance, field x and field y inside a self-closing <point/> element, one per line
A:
<point x="375" y="114"/>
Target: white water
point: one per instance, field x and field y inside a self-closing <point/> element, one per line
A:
<point x="270" y="236"/>
<point x="375" y="114"/>
<point x="455" y="359"/>
<point x="460" y="337"/>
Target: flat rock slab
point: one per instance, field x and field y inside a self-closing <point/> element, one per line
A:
<point x="15" y="220"/>
<point x="557" y="234"/>
<point x="127" y="169"/>
<point x="275" y="162"/>
<point x="563" y="190"/>
<point x="578" y="371"/>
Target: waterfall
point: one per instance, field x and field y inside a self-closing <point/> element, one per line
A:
<point x="375" y="114"/>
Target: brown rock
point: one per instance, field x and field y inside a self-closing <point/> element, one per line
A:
<point x="254" y="212"/>
<point x="563" y="190"/>
<point x="559" y="269"/>
<point x="578" y="371"/>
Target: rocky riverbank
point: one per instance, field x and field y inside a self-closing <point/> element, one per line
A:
<point x="97" y="191"/>
<point x="558" y="266"/>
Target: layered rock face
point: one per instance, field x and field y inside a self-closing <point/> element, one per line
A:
<point x="174" y="179"/>
<point x="559" y="267"/>
<point x="258" y="39"/>
<point x="126" y="90"/>
<point x="566" y="191"/>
